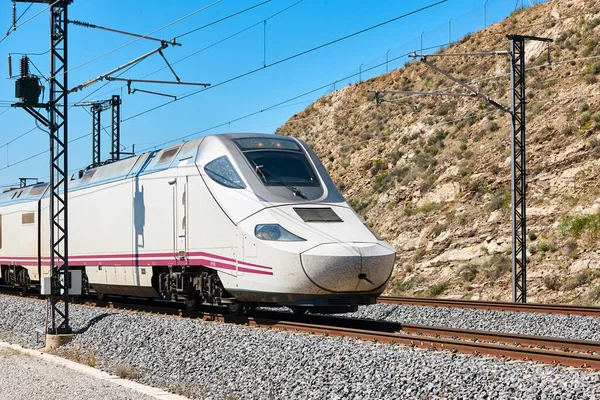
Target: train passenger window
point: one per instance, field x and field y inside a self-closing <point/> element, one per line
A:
<point x="27" y="218"/>
<point x="167" y="155"/>
<point x="88" y="175"/>
<point x="221" y="171"/>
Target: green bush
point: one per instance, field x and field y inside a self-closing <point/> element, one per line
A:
<point x="497" y="266"/>
<point x="552" y="282"/>
<point x="543" y="246"/>
<point x="584" y="118"/>
<point x="377" y="166"/>
<point x="582" y="278"/>
<point x="575" y="226"/>
<point x="401" y="286"/>
<point x="500" y="200"/>
<point x="437" y="289"/>
<point x="468" y="272"/>
<point x="532" y="235"/>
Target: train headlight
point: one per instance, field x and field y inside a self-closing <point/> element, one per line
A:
<point x="275" y="232"/>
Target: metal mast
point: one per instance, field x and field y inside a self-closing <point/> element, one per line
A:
<point x="115" y="132"/>
<point x="518" y="171"/>
<point x="518" y="166"/>
<point x="59" y="212"/>
<point x="57" y="108"/>
<point x="96" y="130"/>
<point x="97" y="107"/>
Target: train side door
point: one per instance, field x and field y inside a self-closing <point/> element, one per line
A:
<point x="180" y="220"/>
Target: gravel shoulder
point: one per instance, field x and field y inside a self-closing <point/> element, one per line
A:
<point x="27" y="378"/>
<point x="204" y="360"/>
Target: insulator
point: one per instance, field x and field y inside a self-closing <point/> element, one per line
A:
<point x="9" y="66"/>
<point x="24" y="66"/>
<point x="14" y="15"/>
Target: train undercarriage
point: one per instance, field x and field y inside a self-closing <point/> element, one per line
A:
<point x="194" y="286"/>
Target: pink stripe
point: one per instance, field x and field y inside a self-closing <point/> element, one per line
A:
<point x="166" y="255"/>
<point x="253" y="271"/>
<point x="146" y="259"/>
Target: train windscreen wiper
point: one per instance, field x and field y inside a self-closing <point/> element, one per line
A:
<point x="262" y="171"/>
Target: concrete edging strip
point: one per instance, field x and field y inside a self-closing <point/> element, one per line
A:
<point x="95" y="373"/>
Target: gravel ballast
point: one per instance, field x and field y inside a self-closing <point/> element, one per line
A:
<point x="551" y="325"/>
<point x="27" y="378"/>
<point x="207" y="360"/>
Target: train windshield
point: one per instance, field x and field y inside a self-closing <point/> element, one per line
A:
<point x="278" y="162"/>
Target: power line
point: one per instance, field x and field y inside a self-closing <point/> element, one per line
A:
<point x="220" y="20"/>
<point x="288" y="58"/>
<point x="313" y="117"/>
<point x="215" y="43"/>
<point x="277" y="104"/>
<point x="40" y="153"/>
<point x="146" y="35"/>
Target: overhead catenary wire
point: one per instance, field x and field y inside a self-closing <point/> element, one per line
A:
<point x="142" y="37"/>
<point x="563" y="62"/>
<point x="364" y="106"/>
<point x="286" y="59"/>
<point x="214" y="44"/>
<point x="538" y="67"/>
<point x="222" y="19"/>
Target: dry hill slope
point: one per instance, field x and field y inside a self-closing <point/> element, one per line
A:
<point x="435" y="180"/>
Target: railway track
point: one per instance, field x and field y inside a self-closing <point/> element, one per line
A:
<point x="555" y="351"/>
<point x="495" y="305"/>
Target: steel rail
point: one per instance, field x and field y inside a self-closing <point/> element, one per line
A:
<point x="555" y="351"/>
<point x="495" y="305"/>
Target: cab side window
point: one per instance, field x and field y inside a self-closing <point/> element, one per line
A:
<point x="221" y="171"/>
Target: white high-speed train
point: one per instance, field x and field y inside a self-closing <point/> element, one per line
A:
<point x="235" y="219"/>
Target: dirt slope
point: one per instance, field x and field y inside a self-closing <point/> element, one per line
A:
<point x="432" y="175"/>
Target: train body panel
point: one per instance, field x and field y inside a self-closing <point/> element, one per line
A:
<point x="225" y="218"/>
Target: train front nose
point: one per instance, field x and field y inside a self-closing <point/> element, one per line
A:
<point x="349" y="267"/>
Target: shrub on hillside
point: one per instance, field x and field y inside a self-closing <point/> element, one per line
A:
<point x="552" y="282"/>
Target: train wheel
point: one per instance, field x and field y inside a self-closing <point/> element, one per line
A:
<point x="236" y="308"/>
<point x="192" y="303"/>
<point x="102" y="296"/>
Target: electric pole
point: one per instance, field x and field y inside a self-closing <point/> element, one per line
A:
<point x="57" y="108"/>
<point x="518" y="159"/>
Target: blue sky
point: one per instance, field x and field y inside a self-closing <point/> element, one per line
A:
<point x="304" y="25"/>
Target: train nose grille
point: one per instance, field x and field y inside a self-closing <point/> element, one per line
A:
<point x="318" y="214"/>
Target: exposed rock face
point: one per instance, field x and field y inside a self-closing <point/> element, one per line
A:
<point x="434" y="180"/>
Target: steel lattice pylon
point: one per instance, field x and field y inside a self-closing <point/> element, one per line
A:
<point x="96" y="130"/>
<point x="58" y="208"/>
<point x="115" y="136"/>
<point x="519" y="173"/>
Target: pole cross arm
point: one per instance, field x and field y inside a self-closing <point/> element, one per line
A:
<point x="472" y="53"/>
<point x="475" y="92"/>
<point x="129" y="81"/>
<point x="106" y="75"/>
<point x="172" y="42"/>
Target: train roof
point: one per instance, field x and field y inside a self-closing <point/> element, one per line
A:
<point x="146" y="163"/>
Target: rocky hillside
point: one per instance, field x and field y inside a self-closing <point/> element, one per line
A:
<point x="432" y="174"/>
